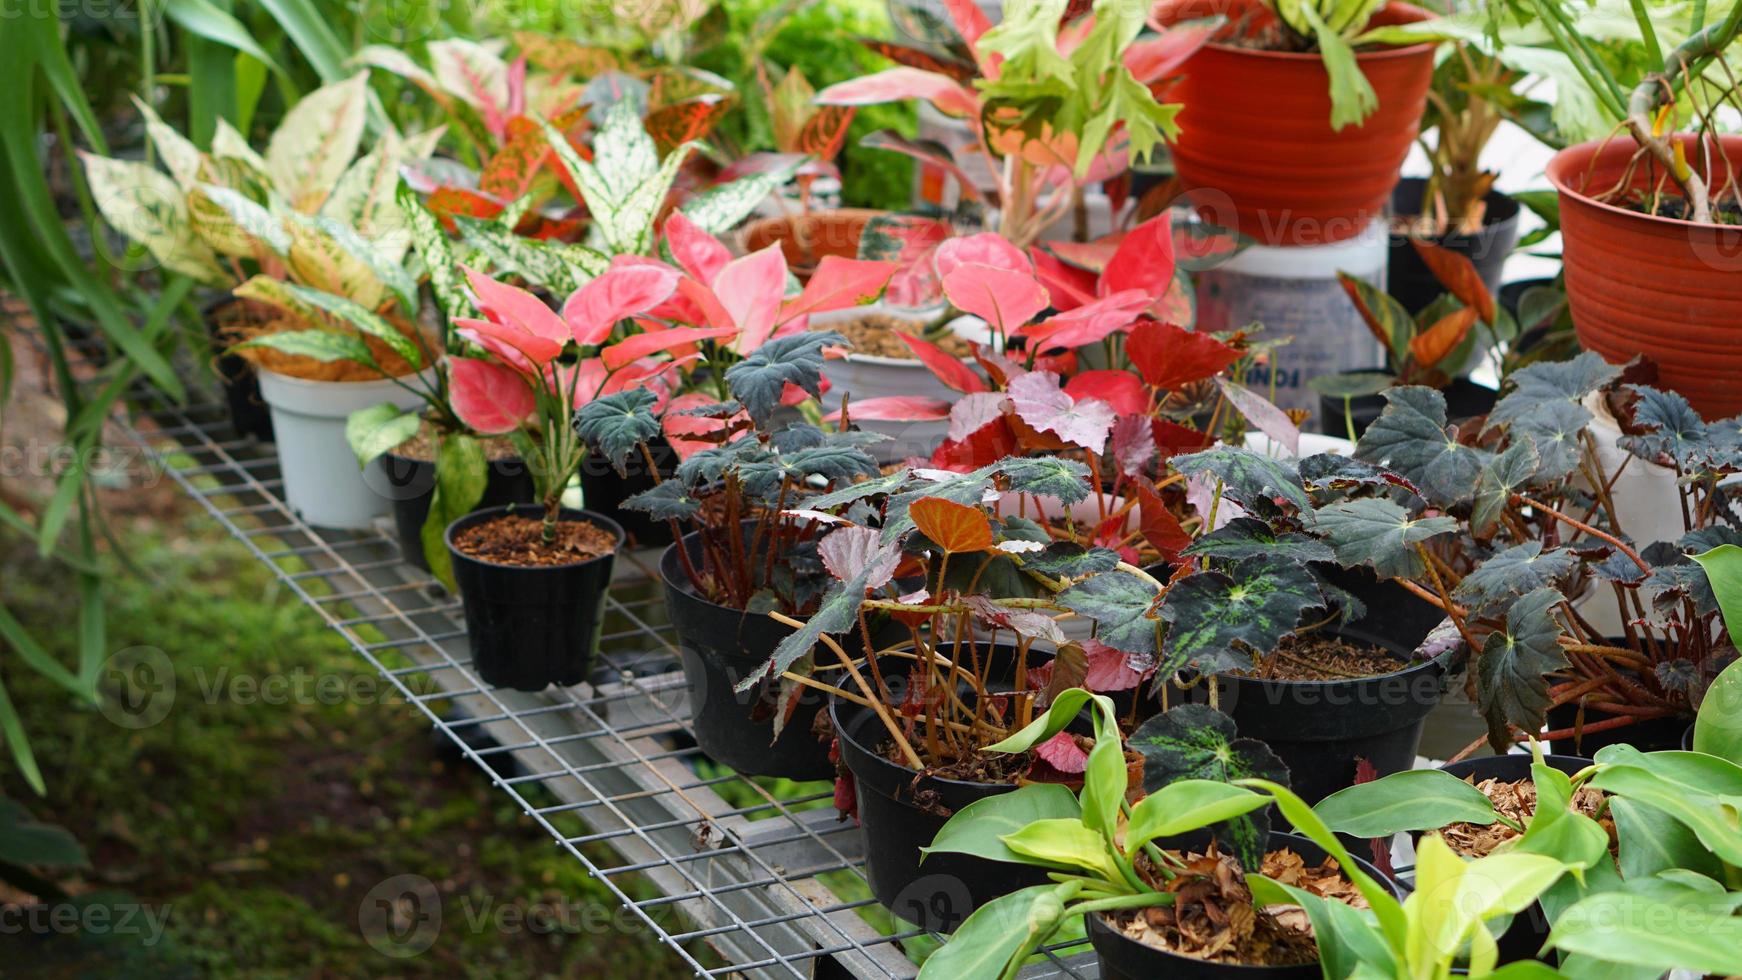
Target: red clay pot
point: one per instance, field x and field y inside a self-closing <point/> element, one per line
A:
<point x="1256" y="127"/>
<point x="1641" y="284"/>
<point x="806" y="238"/>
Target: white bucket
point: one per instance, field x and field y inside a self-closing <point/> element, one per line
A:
<point x="322" y="482"/>
<point x="1294" y="292"/>
<point x="1645" y="497"/>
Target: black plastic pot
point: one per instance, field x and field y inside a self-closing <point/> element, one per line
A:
<point x="603" y="490"/>
<point x="1529" y="929"/>
<point x="901" y="811"/>
<point x="1465" y="399"/>
<point x="1390" y="611"/>
<point x="720" y="646"/>
<point x="1688" y="739"/>
<point x="1411" y="283"/>
<point x="248" y="413"/>
<point x="1323" y="729"/>
<point x="413" y="481"/>
<point x="1650" y="735"/>
<point x="530" y="627"/>
<point x="1123" y="958"/>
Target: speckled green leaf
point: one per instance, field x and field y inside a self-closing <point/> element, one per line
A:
<point x="1215" y="620"/>
<point x="1120" y="606"/>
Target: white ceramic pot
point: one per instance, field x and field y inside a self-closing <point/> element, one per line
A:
<point x="1644" y="495"/>
<point x="322" y="482"/>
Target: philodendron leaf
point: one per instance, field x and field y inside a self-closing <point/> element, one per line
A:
<point x="1247" y="476"/>
<point x="1651" y="841"/>
<point x="1186" y="805"/>
<point x="1415" y="799"/>
<point x="976" y="828"/>
<point x="1549" y="382"/>
<point x="758" y="381"/>
<point x="1197" y="742"/>
<point x="1658" y="925"/>
<point x="1510" y="472"/>
<point x="1216" y="620"/>
<point x="1065" y="480"/>
<point x="1245" y="537"/>
<point x="1513" y="572"/>
<point x="617" y="423"/>
<point x="1513" y="661"/>
<point x="374" y="430"/>
<point x="996" y="935"/>
<point x="1410" y="437"/>
<point x="1376" y="532"/>
<point x="1120" y="605"/>
<point x="1718" y="727"/>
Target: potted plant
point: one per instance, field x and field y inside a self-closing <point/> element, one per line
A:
<point x="1528" y="496"/>
<point x="533" y="579"/>
<point x="1337" y="108"/>
<point x="1650" y="224"/>
<point x="309" y="212"/>
<point x="978" y="590"/>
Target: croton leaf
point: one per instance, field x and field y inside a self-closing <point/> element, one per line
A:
<point x="1554" y="429"/>
<point x="1377" y="532"/>
<point x="1195" y="741"/>
<point x="1216" y="619"/>
<point x="1246" y="537"/>
<point x="1069" y="560"/>
<point x="951" y="526"/>
<point x="1247" y="476"/>
<point x="1066" y="480"/>
<point x="759" y="380"/>
<point x="1513" y="661"/>
<point x="1672" y="429"/>
<point x="1519" y="569"/>
<point x="619" y="422"/>
<point x="1169" y="357"/>
<point x="1552" y="381"/>
<point x="1411" y="438"/>
<point x="1510" y="472"/>
<point x="667" y="501"/>
<point x="1120" y="606"/>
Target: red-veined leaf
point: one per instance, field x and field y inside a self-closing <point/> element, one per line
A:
<point x="510" y="171"/>
<point x="847" y="551"/>
<point x="1132" y="445"/>
<point x="1064" y="754"/>
<point x="953" y="373"/>
<point x="988" y="444"/>
<point x="1089" y="324"/>
<point x="922" y="59"/>
<point x="956" y="528"/>
<point x="447" y="202"/>
<point x="1170" y="356"/>
<point x="673" y="125"/>
<point x="824" y="133"/>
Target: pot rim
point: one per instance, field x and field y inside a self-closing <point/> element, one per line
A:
<point x="291" y="379"/>
<point x="1488" y="227"/>
<point x="1598" y="150"/>
<point x="1417" y="15"/>
<point x="1363" y="636"/>
<point x="566" y="514"/>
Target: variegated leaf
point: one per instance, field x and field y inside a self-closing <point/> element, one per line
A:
<point x="179" y="155"/>
<point x="557" y="267"/>
<point x="626" y="182"/>
<point x="365" y="321"/>
<point x="277" y="293"/>
<point x="391" y="59"/>
<point x="471" y="72"/>
<point x="232" y="224"/>
<point x="147" y="206"/>
<point x="311" y="148"/>
<point x="564" y="56"/>
<point x="437" y="253"/>
<point x="317" y="259"/>
<point x="387" y="268"/>
<point x="230" y="144"/>
<point x="718" y="209"/>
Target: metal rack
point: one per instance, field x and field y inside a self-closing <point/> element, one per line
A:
<point x="607" y="768"/>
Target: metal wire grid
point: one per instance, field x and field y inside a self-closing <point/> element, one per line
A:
<point x="609" y="762"/>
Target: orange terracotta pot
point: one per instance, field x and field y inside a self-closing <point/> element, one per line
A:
<point x="806" y="238"/>
<point x="1641" y="284"/>
<point x="1256" y="143"/>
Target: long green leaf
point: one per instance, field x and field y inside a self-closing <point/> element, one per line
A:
<point x="19" y="743"/>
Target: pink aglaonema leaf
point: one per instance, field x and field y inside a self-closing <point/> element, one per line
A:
<point x="972" y="412"/>
<point x="1120" y="389"/>
<point x="1043" y="405"/>
<point x="847" y="551"/>
<point x="624" y="291"/>
<point x="1113" y="670"/>
<point x="1269" y="419"/>
<point x="1064" y="754"/>
<point x="895" y="408"/>
<point x="1068" y="285"/>
<point x="1002" y="298"/>
<point x="653" y="341"/>
<point x="986" y="248"/>
<point x="1144" y="259"/>
<point x="514" y="347"/>
<point x="1158" y="58"/>
<point x="1090" y="256"/>
<point x="516" y="308"/>
<point x="690" y="434"/>
<point x="900" y="84"/>
<point x="1088" y="324"/>
<point x="698" y="253"/>
<point x="489" y="398"/>
<point x="969" y="19"/>
<point x="839" y="283"/>
<point x="952" y="372"/>
<point x="750" y="290"/>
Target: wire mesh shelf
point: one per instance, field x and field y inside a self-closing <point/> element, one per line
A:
<point x="772" y="883"/>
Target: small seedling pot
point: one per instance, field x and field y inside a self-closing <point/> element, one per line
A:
<point x="506" y="481"/>
<point x="1324" y="729"/>
<point x="720" y="646"/>
<point x="901" y="811"/>
<point x="1123" y="958"/>
<point x="530" y="627"/>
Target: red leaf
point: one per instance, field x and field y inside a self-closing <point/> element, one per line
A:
<point x="895" y="408"/>
<point x="625" y="290"/>
<point x="1159" y="525"/>
<point x="986" y="248"/>
<point x="1170" y="356"/>
<point x="653" y="341"/>
<point x="1174" y="439"/>
<point x="489" y="398"/>
<point x="673" y="125"/>
<point x="899" y="85"/>
<point x="1153" y="60"/>
<point x="953" y="373"/>
<point x="1088" y="324"/>
<point x="1120" y="389"/>
<point x="1062" y="753"/>
<point x="445" y="202"/>
<point x="511" y="169"/>
<point x="689" y="434"/>
<point x="1042" y="404"/>
<point x="1112" y="670"/>
<point x="1068" y="285"/>
<point x="988" y="444"/>
<point x="1144" y="260"/>
<point x="954" y="527"/>
<point x="1002" y="298"/>
<point x="697" y="252"/>
<point x="1133" y="444"/>
<point x="515" y="308"/>
<point x="1458" y="274"/>
<point x="1432" y="345"/>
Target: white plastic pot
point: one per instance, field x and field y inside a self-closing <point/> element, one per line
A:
<point x="322" y="482"/>
<point x="1644" y="495"/>
<point x="865" y="376"/>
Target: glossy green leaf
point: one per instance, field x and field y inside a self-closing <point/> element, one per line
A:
<point x="992" y="937"/>
<point x="374" y="430"/>
<point x="1718" y="727"/>
<point x="1064" y="842"/>
<point x="1663" y="927"/>
<point x="976" y="828"/>
<point x="1415" y="799"/>
<point x="1187" y="805"/>
<point x="461" y="474"/>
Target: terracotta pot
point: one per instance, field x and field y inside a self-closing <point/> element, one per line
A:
<point x="806" y="238"/>
<point x="1639" y="284"/>
<point x="1256" y="143"/>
